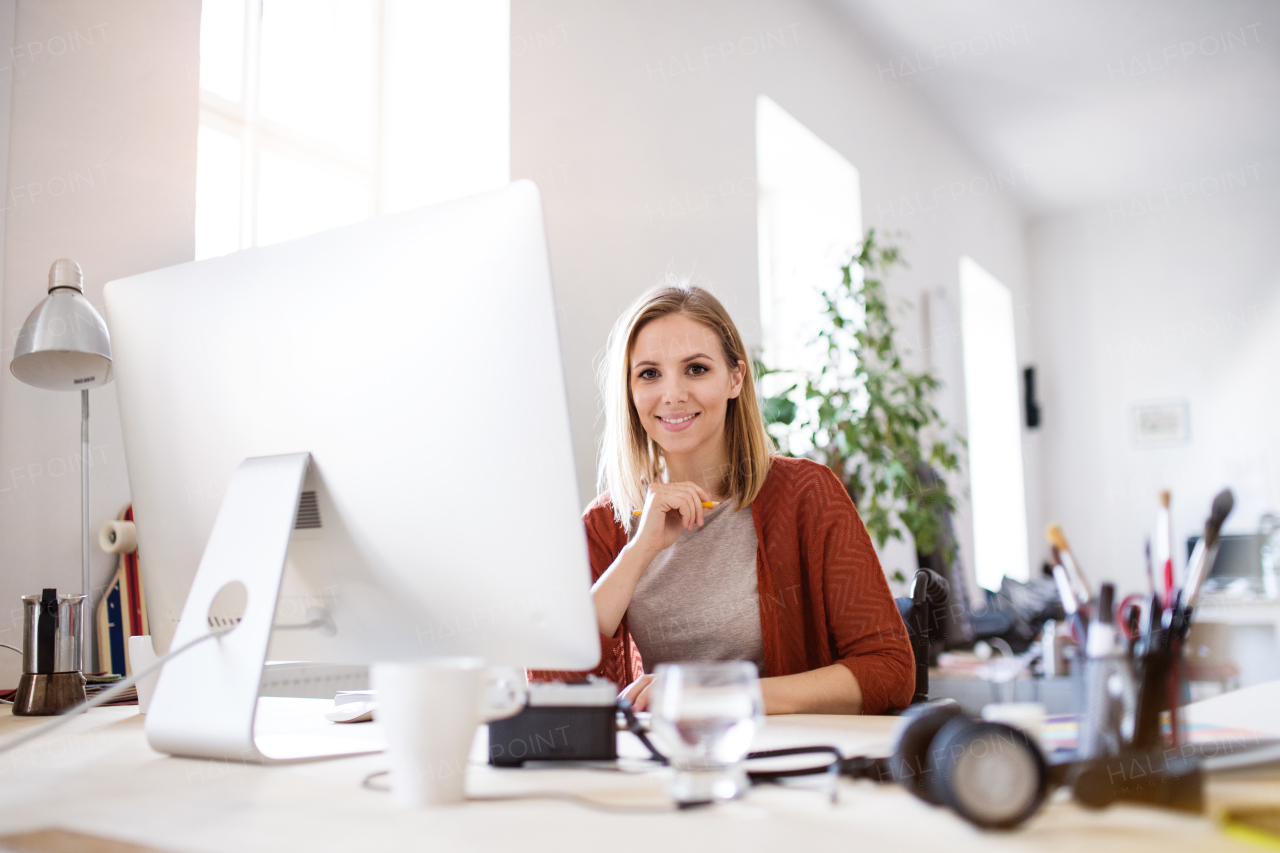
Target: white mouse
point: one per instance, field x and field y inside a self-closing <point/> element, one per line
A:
<point x="351" y="712"/>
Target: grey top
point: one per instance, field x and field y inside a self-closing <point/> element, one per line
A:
<point x="699" y="599"/>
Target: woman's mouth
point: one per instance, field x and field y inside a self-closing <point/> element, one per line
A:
<point x="678" y="422"/>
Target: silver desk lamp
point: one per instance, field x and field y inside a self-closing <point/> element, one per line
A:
<point x="65" y="346"/>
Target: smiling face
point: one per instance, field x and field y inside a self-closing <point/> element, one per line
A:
<point x="681" y="385"/>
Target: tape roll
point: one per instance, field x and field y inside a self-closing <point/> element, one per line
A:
<point x="118" y="537"/>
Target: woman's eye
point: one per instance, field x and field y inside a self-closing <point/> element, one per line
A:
<point x="698" y="369"/>
<point x="649" y="374"/>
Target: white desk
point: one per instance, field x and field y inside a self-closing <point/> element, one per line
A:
<point x="99" y="777"/>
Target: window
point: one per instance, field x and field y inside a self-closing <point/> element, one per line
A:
<point x="320" y="113"/>
<point x="995" y="427"/>
<point x="810" y="221"/>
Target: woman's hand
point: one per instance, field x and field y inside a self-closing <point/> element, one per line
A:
<point x="668" y="509"/>
<point x="638" y="692"/>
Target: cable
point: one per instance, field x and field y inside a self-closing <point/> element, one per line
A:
<point x="103" y="697"/>
<point x="634" y="726"/>
<point x="772" y="776"/>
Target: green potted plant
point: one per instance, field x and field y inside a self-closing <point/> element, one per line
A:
<point x="867" y="416"/>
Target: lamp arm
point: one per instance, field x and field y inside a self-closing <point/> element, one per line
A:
<point x="86" y="634"/>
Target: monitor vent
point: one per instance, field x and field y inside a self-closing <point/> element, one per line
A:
<point x="308" y="513"/>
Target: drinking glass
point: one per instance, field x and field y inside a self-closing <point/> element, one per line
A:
<point x="706" y="715"/>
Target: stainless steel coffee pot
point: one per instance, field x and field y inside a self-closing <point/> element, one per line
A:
<point x="52" y="666"/>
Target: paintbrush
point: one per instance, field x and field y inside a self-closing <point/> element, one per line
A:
<point x="1079" y="584"/>
<point x="1070" y="604"/>
<point x="1151" y="576"/>
<point x="1206" y="549"/>
<point x="1164" y="545"/>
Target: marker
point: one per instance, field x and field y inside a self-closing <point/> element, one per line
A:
<point x="705" y="505"/>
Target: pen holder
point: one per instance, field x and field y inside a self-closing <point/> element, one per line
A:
<point x="1158" y="673"/>
<point x="52" y="631"/>
<point x="1107" y="689"/>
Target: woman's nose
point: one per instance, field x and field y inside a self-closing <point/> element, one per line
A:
<point x="673" y="391"/>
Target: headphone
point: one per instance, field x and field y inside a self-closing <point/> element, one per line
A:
<point x="991" y="774"/>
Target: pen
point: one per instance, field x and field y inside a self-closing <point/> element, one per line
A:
<point x="705" y="505"/>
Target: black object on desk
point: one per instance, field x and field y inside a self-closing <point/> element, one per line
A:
<point x="562" y="722"/>
<point x="1158" y="778"/>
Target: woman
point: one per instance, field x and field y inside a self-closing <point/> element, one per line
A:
<point x="781" y="572"/>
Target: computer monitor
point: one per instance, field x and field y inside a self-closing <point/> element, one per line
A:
<point x="416" y="358"/>
<point x="1239" y="556"/>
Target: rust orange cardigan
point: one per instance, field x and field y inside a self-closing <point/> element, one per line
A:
<point x="823" y="596"/>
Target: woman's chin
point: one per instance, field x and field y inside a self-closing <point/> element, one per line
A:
<point x="680" y="443"/>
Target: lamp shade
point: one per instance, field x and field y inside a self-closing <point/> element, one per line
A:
<point x="64" y="345"/>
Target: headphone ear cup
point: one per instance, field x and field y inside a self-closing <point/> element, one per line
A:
<point x="992" y="775"/>
<point x="911" y="748"/>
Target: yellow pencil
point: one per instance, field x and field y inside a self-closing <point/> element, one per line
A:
<point x="705" y="505"/>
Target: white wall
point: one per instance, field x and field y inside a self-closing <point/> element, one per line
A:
<point x="638" y="120"/>
<point x="101" y="169"/>
<point x="1150" y="298"/>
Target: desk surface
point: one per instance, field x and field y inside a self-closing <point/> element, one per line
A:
<point x="98" y="776"/>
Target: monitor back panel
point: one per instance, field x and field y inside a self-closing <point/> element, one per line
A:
<point x="416" y="358"/>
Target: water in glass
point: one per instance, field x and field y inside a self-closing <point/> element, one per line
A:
<point x="706" y="714"/>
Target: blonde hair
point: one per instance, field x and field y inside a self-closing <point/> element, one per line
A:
<point x="629" y="459"/>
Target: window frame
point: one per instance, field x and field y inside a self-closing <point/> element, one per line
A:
<point x="256" y="133"/>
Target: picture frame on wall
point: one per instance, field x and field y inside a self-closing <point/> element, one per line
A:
<point x="1161" y="423"/>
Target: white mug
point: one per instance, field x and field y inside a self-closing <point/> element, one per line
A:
<point x="429" y="711"/>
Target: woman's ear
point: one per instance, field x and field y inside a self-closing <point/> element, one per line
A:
<point x="736" y="379"/>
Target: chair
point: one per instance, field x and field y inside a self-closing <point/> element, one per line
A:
<point x="958" y="629"/>
<point x="924" y="614"/>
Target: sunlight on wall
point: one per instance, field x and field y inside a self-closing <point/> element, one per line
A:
<point x="995" y="427"/>
<point x="319" y="113"/>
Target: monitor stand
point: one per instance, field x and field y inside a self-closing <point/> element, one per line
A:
<point x="206" y="704"/>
